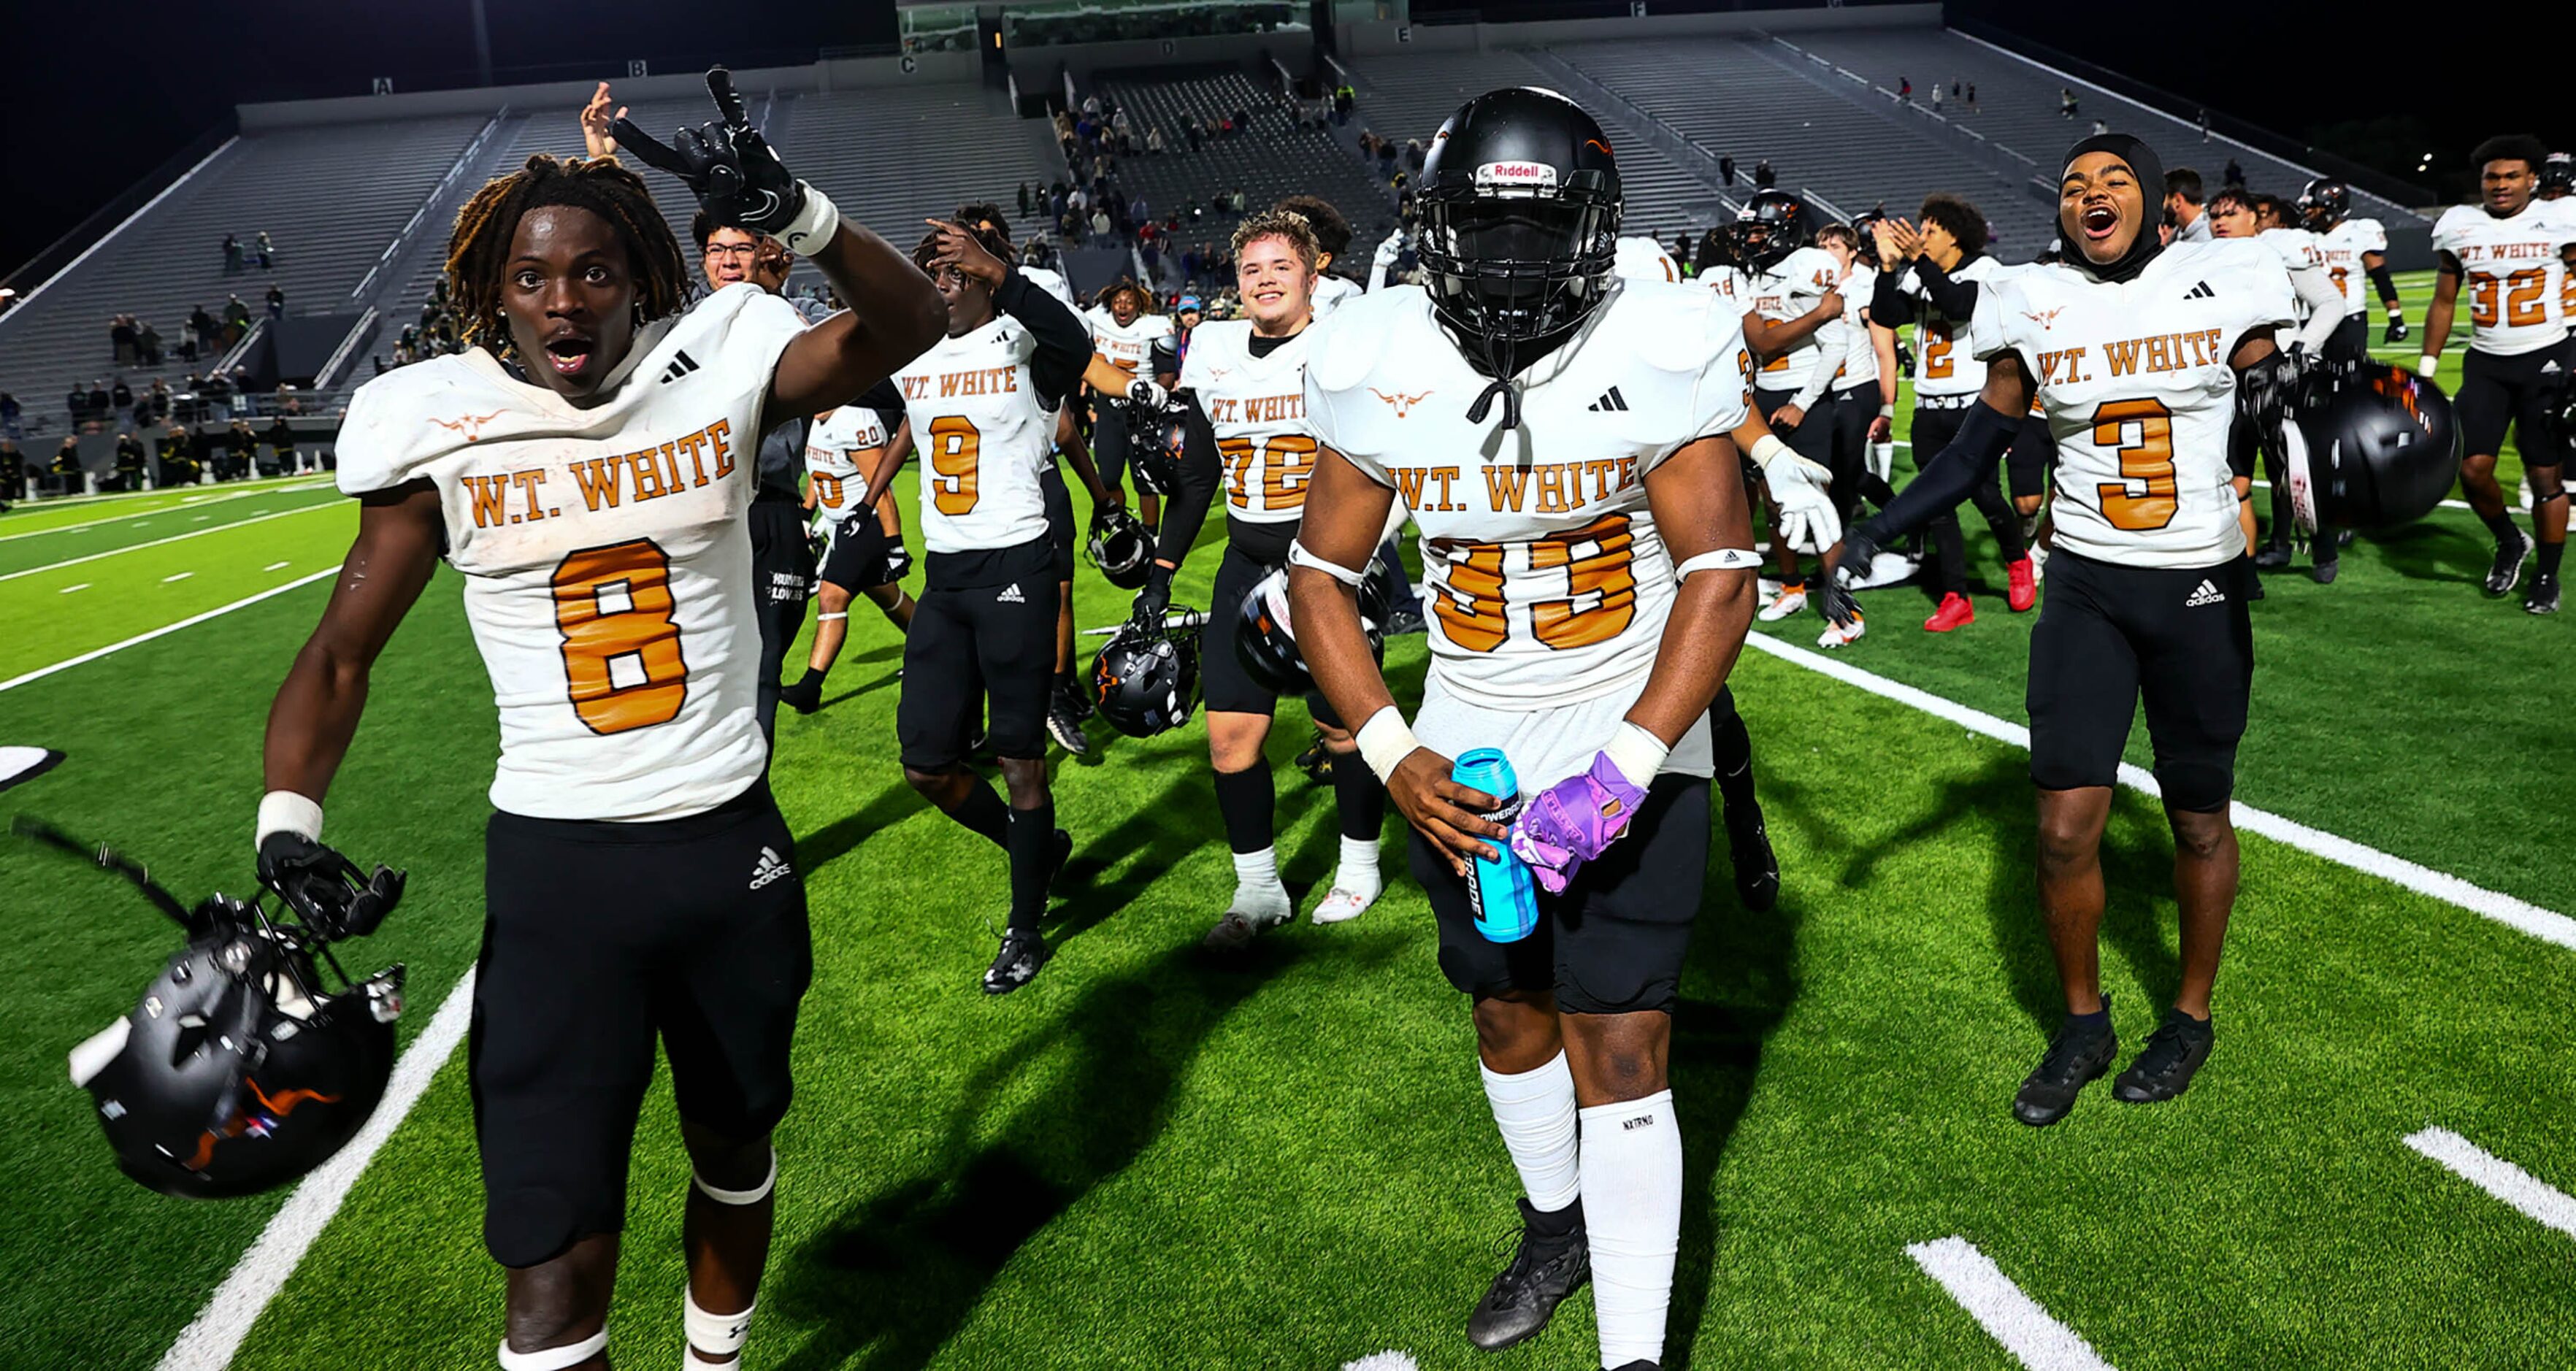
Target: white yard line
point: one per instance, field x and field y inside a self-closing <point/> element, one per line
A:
<point x="94" y="654"/>
<point x="179" y="577"/>
<point x="2541" y="1201"/>
<point x="209" y="1342"/>
<point x="188" y="501"/>
<point x="274" y="566"/>
<point x="2034" y="1336"/>
<point x="2523" y="916"/>
<point x="173" y="538"/>
<point x="66" y="590"/>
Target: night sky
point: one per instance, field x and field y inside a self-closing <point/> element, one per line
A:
<point x="103" y="93"/>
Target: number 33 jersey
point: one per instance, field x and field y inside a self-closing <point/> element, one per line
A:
<point x="606" y="555"/>
<point x="1548" y="582"/>
<point x="2134" y="381"/>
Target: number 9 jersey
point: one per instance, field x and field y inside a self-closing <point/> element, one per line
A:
<point x="984" y="436"/>
<point x="606" y="554"/>
<point x="2135" y="384"/>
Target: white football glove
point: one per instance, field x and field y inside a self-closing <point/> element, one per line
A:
<point x="1807" y="518"/>
<point x="1144" y="390"/>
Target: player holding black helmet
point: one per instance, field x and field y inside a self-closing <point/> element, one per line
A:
<point x="1560" y="437"/>
<point x="2354" y="249"/>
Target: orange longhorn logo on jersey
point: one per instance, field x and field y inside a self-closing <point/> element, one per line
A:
<point x="1402" y="402"/>
<point x="2046" y="318"/>
<point x="471" y="425"/>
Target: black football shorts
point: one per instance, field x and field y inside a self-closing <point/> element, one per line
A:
<point x="2497" y="391"/>
<point x="979" y="654"/>
<point x="2109" y="637"/>
<point x="1224" y="686"/>
<point x="1614" y="941"/>
<point x="598" y="940"/>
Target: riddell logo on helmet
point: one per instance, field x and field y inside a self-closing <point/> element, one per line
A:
<point x="1535" y="174"/>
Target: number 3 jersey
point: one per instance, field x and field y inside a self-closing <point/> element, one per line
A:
<point x="2134" y="381"/>
<point x="1548" y="583"/>
<point x="1256" y="406"/>
<point x="606" y="555"/>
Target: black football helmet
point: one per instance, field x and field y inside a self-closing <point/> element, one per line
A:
<point x="1146" y="678"/>
<point x="1770" y="227"/>
<point x="1265" y="639"/>
<point x="1155" y="440"/>
<point x="2558" y="176"/>
<point x="2379" y="447"/>
<point x="1717" y="248"/>
<point x="2323" y="203"/>
<point x="241" y="1068"/>
<point x="1519" y="204"/>
<point x="1119" y="547"/>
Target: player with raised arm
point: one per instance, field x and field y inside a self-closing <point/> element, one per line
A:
<point x="585" y="463"/>
<point x="863" y="548"/>
<point x="2356" y="250"/>
<point x="2140" y="356"/>
<point x="2512" y="254"/>
<point x="1560" y="437"/>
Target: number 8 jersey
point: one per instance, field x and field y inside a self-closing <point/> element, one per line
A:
<point x="606" y="555"/>
<point x="2134" y="381"/>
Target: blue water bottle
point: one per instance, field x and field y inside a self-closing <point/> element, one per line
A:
<point x="1499" y="889"/>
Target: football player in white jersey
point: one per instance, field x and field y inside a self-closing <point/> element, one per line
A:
<point x="1644" y="259"/>
<point x="2512" y="254"/>
<point x="2140" y="356"/>
<point x="2240" y="213"/>
<point x="863" y="549"/>
<point x="1560" y="437"/>
<point x="1933" y="276"/>
<point x="1865" y="391"/>
<point x="586" y="465"/>
<point x="981" y="649"/>
<point x="1332" y="242"/>
<point x="1124" y="329"/>
<point x="1244" y="384"/>
<point x="1788" y="280"/>
<point x="2356" y="250"/>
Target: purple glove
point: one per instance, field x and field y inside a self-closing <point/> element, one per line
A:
<point x="1574" y="821"/>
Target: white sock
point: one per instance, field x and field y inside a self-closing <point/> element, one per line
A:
<point x="1257" y="890"/>
<point x="1534" y="1111"/>
<point x="1358" y="872"/>
<point x="1632" y="1213"/>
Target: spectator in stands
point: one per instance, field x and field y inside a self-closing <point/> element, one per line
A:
<point x="1972" y="97"/>
<point x="178" y="450"/>
<point x="2234" y="175"/>
<point x="2202" y="119"/>
<point x="232" y="254"/>
<point x="76" y="402"/>
<point x="1414" y="155"/>
<point x="1125" y="130"/>
<point x="1024" y="199"/>
<point x="1764" y="178"/>
<point x="276" y="303"/>
<point x="13" y="472"/>
<point x="129" y="461"/>
<point x="201" y="331"/>
<point x="2183" y="206"/>
<point x="216" y="393"/>
<point x="147" y="343"/>
<point x="2065" y="102"/>
<point x="1904" y="89"/>
<point x="120" y="399"/>
<point x="281" y="445"/>
<point x="267" y="253"/>
<point x="1726" y="168"/>
<point x="1100" y="223"/>
<point x="241" y="390"/>
<point x="99" y="404"/>
<point x="1190" y="267"/>
<point x="1154" y="140"/>
<point x="240" y="446"/>
<point x="236" y="320"/>
<point x="1343" y="99"/>
<point x="11" y="416"/>
<point x="1936" y="98"/>
<point x="1190" y="129"/>
<point x="120" y="339"/>
<point x="157" y="402"/>
<point x="1682" y="250"/>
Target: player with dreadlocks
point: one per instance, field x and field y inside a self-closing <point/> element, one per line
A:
<point x="587" y="465"/>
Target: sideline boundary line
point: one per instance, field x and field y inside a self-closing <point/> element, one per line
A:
<point x="218" y="611"/>
<point x="210" y="1340"/>
<point x="2025" y="1328"/>
<point x="2520" y="915"/>
<point x="278" y="487"/>
<point x="2542" y="1202"/>
<point x="173" y="538"/>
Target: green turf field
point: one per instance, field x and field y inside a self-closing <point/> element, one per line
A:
<point x="1147" y="1160"/>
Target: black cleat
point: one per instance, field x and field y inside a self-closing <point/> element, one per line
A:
<point x="2542" y="598"/>
<point x="2507" y="571"/>
<point x="1077" y="700"/>
<point x="2173" y="1055"/>
<point x="1065" y="726"/>
<point x="1235" y="930"/>
<point x="1023" y="952"/>
<point x="2273" y="557"/>
<point x="2324" y="572"/>
<point x="1541" y="1274"/>
<point x="805" y="695"/>
<point x="2076" y="1058"/>
<point x="1400" y="622"/>
<point x="1757" y="867"/>
<point x="1316" y="761"/>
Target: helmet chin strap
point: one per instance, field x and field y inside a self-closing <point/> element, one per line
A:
<point x="1502" y="361"/>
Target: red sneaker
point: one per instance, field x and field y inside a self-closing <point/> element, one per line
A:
<point x="1954" y="612"/>
<point x="2021" y="589"/>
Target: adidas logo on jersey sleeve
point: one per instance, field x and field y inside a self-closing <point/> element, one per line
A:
<point x="1611" y="400"/>
<point x="681" y="365"/>
<point x="2200" y="291"/>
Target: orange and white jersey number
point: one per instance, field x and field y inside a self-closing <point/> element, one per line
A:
<point x="954" y="448"/>
<point x="1273" y="470"/>
<point x="623" y="664"/>
<point x="1594" y="565"/>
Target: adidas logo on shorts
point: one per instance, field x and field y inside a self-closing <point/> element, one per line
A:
<point x="768" y="868"/>
<point x="1011" y="595"/>
<point x="2206" y="594"/>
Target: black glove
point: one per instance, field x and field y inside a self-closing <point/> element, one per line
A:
<point x="728" y="165"/>
<point x="2397" y="330"/>
<point x="324" y="888"/>
<point x="1153" y="599"/>
<point x="1860" y="549"/>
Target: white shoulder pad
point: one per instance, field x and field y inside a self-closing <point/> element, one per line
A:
<point x="2452" y="227"/>
<point x="2373" y="237"/>
<point x="1214" y="343"/>
<point x="1347" y="343"/>
<point x="1811" y="268"/>
<point x="2255" y="269"/>
<point x="391" y="432"/>
<point x="1676" y="328"/>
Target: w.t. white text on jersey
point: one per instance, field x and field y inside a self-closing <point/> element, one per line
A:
<point x="1257" y="408"/>
<point x="981" y="437"/>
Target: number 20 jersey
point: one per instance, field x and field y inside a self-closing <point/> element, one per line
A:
<point x="1257" y="408"/>
<point x="1548" y="582"/>
<point x="2134" y="381"/>
<point x="606" y="556"/>
<point x="981" y="437"/>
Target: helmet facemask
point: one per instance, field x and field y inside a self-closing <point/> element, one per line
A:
<point x="1511" y="268"/>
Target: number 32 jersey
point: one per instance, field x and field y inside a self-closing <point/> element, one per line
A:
<point x="2134" y="381"/>
<point x="2513" y="276"/>
<point x="606" y="556"/>
<point x="1548" y="582"/>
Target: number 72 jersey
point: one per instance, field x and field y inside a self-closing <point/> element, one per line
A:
<point x="2134" y="380"/>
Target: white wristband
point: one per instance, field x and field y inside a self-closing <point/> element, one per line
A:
<point x="284" y="811"/>
<point x="1385" y="741"/>
<point x="1887" y="410"/>
<point x="1637" y="752"/>
<point x="2429" y="365"/>
<point x="1766" y="448"/>
<point x="815" y="226"/>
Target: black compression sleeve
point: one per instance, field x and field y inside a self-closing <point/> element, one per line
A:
<point x="1984" y="436"/>
<point x="1064" y="345"/>
<point x="2387" y="284"/>
<point x="1889" y="306"/>
<point x="1185" y="510"/>
<point x="1955" y="299"/>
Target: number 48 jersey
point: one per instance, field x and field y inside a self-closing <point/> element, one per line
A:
<point x="1257" y="408"/>
<point x="2133" y="378"/>
<point x="605" y="552"/>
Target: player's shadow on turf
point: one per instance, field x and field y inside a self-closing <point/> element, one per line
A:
<point x="2428" y="551"/>
<point x="890" y="806"/>
<point x="2137" y="883"/>
<point x="892" y="1279"/>
<point x="1738" y="984"/>
<point x="1152" y="838"/>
